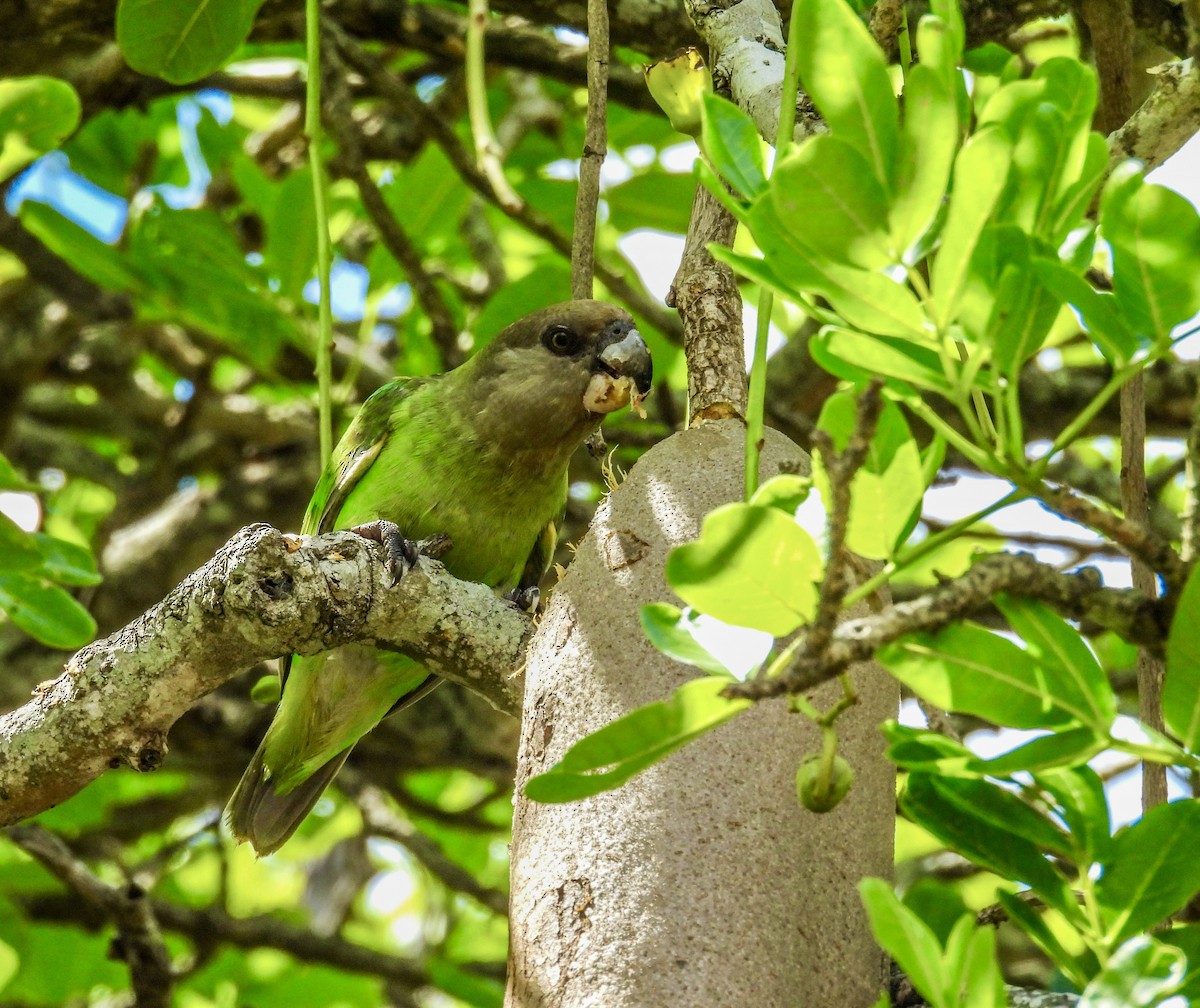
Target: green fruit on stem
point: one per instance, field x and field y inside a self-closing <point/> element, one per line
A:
<point x="820" y="792"/>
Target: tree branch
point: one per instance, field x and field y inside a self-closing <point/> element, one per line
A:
<point x="706" y="295"/>
<point x="595" y="149"/>
<point x="381" y="821"/>
<point x="139" y="943"/>
<point x="260" y="597"/>
<point x="1165" y="121"/>
<point x="1133" y="616"/>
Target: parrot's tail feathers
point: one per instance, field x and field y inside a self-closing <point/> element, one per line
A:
<point x="258" y="813"/>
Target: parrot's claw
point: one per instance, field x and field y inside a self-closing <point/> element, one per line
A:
<point x="525" y="599"/>
<point x="401" y="553"/>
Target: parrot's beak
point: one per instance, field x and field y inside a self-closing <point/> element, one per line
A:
<point x="622" y="371"/>
<point x="623" y="353"/>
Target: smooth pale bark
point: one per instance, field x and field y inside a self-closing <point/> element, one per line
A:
<point x="702" y="881"/>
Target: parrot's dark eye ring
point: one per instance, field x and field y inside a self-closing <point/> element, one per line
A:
<point x="561" y="340"/>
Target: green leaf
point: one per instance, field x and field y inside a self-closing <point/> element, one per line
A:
<point x="1072" y="86"/>
<point x="1079" y="795"/>
<point x="968" y="669"/>
<point x="1024" y="312"/>
<point x="712" y="182"/>
<point x="10" y="479"/>
<point x="1070" y="748"/>
<point x="36" y="115"/>
<point x="670" y="631"/>
<point x="1074" y="680"/>
<point x="974" y="975"/>
<point x="752" y="566"/>
<point x="1155" y="238"/>
<point x="198" y="274"/>
<point x="1098" y="309"/>
<point x="290" y="251"/>
<point x="607" y="758"/>
<point x="906" y="938"/>
<point x="889" y="486"/>
<point x="867" y="300"/>
<point x="182" y="42"/>
<point x="66" y="562"/>
<point x="465" y="984"/>
<point x="949" y="13"/>
<point x="859" y="357"/>
<point x="1038" y="130"/>
<point x="787" y="491"/>
<point x="920" y="749"/>
<point x="1181" y="688"/>
<point x="427" y="195"/>
<point x="989" y="59"/>
<point x="990" y="802"/>
<point x="825" y="191"/>
<point x="847" y="77"/>
<point x="1031" y="922"/>
<point x="10" y="963"/>
<point x="731" y="142"/>
<point x="87" y="254"/>
<point x="1144" y="742"/>
<point x="1076" y="198"/>
<point x="45" y="612"/>
<point x="991" y="827"/>
<point x="656" y="199"/>
<point x="980" y="174"/>
<point x="1152" y="870"/>
<point x="1187" y="938"/>
<point x="927" y="148"/>
<point x="1141" y="974"/>
<point x="18" y="548"/>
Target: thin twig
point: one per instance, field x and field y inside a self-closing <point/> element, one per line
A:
<point x="1136" y="506"/>
<point x="1135" y="540"/>
<point x="393" y="90"/>
<point x="382" y="821"/>
<point x="595" y="148"/>
<point x="388" y="226"/>
<point x="1078" y="595"/>
<point x="398" y="242"/>
<point x="1191" y="507"/>
<point x="139" y="941"/>
<point x="841" y="468"/>
<point x="487" y="150"/>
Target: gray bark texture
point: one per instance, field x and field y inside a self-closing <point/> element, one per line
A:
<point x="702" y="881"/>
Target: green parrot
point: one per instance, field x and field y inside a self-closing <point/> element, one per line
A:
<point x="479" y="454"/>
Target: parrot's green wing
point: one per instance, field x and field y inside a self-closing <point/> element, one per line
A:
<point x="332" y="699"/>
<point x="360" y="446"/>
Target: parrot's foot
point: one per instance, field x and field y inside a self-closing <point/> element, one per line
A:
<point x="401" y="553"/>
<point x="525" y="599"/>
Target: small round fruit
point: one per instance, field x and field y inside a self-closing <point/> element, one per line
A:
<point x="822" y="795"/>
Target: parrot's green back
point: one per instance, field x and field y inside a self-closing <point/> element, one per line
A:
<point x="474" y="454"/>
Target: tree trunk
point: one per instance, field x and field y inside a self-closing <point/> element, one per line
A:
<point x="702" y="881"/>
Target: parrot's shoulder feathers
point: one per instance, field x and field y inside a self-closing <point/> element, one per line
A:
<point x="358" y="450"/>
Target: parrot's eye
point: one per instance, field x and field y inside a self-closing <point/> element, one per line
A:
<point x="561" y="340"/>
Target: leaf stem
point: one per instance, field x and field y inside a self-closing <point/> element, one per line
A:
<point x="757" y="395"/>
<point x="312" y="129"/>
<point x="978" y="456"/>
<point x="487" y="149"/>
<point x="928" y="545"/>
<point x="766" y="299"/>
<point x="1076" y="427"/>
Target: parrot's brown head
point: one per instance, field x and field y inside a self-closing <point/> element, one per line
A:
<point x="555" y="373"/>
